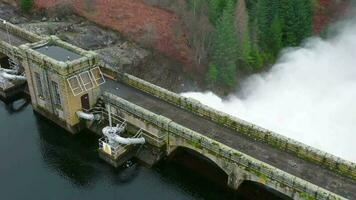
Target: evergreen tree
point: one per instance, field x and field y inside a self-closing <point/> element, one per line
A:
<point x="262" y="22"/>
<point x="305" y="15"/>
<point x="243" y="35"/>
<point x="26" y="5"/>
<point x="212" y="74"/>
<point x="245" y="53"/>
<point x="276" y="35"/>
<point x="256" y="59"/>
<point x="215" y="10"/>
<point x="261" y="29"/>
<point x="225" y="46"/>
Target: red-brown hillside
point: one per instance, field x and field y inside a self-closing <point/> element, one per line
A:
<point x="135" y="20"/>
<point x="159" y="28"/>
<point x="325" y="11"/>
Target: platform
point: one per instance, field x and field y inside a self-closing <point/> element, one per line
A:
<point x="10" y="89"/>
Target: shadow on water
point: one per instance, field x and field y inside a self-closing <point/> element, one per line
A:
<point x="17" y="104"/>
<point x="197" y="168"/>
<point x="69" y="155"/>
<point x="75" y="157"/>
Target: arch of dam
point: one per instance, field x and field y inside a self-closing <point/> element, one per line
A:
<point x="244" y="151"/>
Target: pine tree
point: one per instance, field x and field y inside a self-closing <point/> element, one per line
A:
<point x="304" y="15"/>
<point x="262" y="22"/>
<point x="212" y="74"/>
<point x="215" y="10"/>
<point x="26" y="5"/>
<point x="276" y="35"/>
<point x="225" y="46"/>
<point x="297" y="18"/>
<point x="243" y="35"/>
<point x="261" y="28"/>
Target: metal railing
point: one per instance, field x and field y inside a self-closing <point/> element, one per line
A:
<point x="119" y="120"/>
<point x="116" y="149"/>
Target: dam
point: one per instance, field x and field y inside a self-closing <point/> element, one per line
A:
<point x="64" y="87"/>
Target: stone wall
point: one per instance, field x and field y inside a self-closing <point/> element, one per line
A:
<point x="267" y="174"/>
<point x="299" y="149"/>
<point x="20" y="32"/>
<point x="7" y="49"/>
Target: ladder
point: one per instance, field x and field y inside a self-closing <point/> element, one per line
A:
<point x="13" y="63"/>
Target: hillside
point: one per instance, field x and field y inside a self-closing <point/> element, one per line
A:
<point x="213" y="42"/>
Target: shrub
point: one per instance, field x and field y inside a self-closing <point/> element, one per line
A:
<point x="26" y="5"/>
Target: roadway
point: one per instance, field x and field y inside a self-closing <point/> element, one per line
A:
<point x="285" y="161"/>
<point x="15" y="40"/>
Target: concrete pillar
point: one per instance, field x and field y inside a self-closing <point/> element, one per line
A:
<point x="235" y="178"/>
<point x="150" y="155"/>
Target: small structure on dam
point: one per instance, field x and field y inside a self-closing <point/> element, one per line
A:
<point x="62" y="79"/>
<point x="113" y="147"/>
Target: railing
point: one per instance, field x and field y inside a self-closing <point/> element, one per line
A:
<point x="118" y="120"/>
<point x="116" y="149"/>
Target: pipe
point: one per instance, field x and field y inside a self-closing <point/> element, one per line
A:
<point x="12" y="77"/>
<point x="10" y="71"/>
<point x="129" y="141"/>
<point x="111" y="134"/>
<point x="87" y="116"/>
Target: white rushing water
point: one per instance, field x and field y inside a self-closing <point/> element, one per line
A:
<point x="308" y="95"/>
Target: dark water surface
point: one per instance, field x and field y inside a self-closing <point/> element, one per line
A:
<point x="39" y="160"/>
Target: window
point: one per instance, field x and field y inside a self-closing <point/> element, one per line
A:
<point x="39" y="85"/>
<point x="74" y="85"/>
<point x="86" y="80"/>
<point x="97" y="76"/>
<point x="56" y="94"/>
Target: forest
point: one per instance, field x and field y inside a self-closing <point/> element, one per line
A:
<point x="220" y="40"/>
<point x="247" y="35"/>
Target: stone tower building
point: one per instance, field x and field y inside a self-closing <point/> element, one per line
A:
<point x="62" y="79"/>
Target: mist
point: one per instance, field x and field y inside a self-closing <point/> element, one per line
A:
<point x="308" y="95"/>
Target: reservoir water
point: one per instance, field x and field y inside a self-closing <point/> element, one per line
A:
<point x="41" y="161"/>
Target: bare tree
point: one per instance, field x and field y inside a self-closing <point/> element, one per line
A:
<point x="242" y="19"/>
<point x="198" y="29"/>
<point x="193" y="27"/>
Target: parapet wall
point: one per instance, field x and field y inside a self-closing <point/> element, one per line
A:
<point x="262" y="170"/>
<point x="7" y="49"/>
<point x="20" y="32"/>
<point x="301" y="150"/>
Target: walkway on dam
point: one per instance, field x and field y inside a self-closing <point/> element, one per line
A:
<point x="275" y="157"/>
<point x="16" y="41"/>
